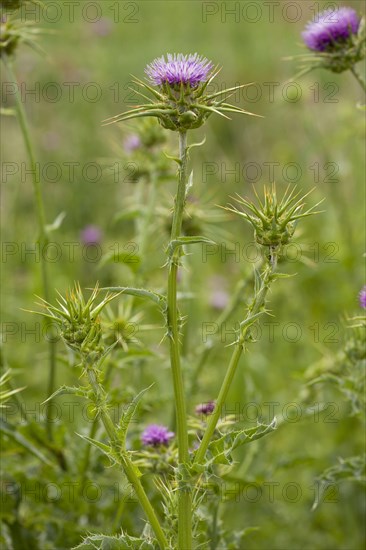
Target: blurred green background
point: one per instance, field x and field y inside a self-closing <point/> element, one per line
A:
<point x="312" y="134"/>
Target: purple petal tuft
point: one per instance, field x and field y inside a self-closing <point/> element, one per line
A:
<point x="156" y="435"/>
<point x="331" y="27"/>
<point x="362" y="297"/>
<point x="187" y="69"/>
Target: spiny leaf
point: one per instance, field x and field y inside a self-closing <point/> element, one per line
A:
<point x="106" y="449"/>
<point x="74" y="390"/>
<point x="173" y="245"/>
<point x="128" y="414"/>
<point x="139" y="292"/>
<point x="222" y="448"/>
<point x="11" y="431"/>
<point x="122" y="542"/>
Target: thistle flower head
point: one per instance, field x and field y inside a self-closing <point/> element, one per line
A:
<point x="331" y="28"/>
<point x="91" y="234"/>
<point x="79" y="321"/>
<point x="362" y="297"/>
<point x="274" y="221"/>
<point x="131" y="143"/>
<point x="155" y="435"/>
<point x="336" y="40"/>
<point x="206" y="408"/>
<point x="179" y="69"/>
<point x="181" y="101"/>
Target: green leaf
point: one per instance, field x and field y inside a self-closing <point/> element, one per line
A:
<point x="74" y="390"/>
<point x="123" y="542"/>
<point x="128" y="214"/>
<point x="173" y="245"/>
<point x="222" y="448"/>
<point x="348" y="469"/>
<point x="131" y="260"/>
<point x="7" y="112"/>
<point x="11" y="431"/>
<point x="105" y="354"/>
<point x="56" y="224"/>
<point x="128" y="414"/>
<point x="139" y="292"/>
<point x="106" y="449"/>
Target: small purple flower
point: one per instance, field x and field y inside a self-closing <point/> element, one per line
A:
<point x="156" y="435"/>
<point x="206" y="408"/>
<point x="131" y="143"/>
<point x="362" y="297"/>
<point x="330" y="27"/>
<point x="189" y="69"/>
<point x="103" y="26"/>
<point x="91" y="234"/>
<point x="219" y="299"/>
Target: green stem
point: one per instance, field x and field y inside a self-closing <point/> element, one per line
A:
<point x="184" y="492"/>
<point x="255" y="308"/>
<point x="125" y="461"/>
<point x="84" y="466"/>
<point x="43" y="237"/>
<point x="359" y="78"/>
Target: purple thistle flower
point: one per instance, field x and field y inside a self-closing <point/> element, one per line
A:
<point x="189" y="69"/>
<point x="91" y="234"/>
<point x="331" y="27"/>
<point x="156" y="435"/>
<point x="219" y="299"/>
<point x="362" y="297"/>
<point x="206" y="408"/>
<point x="103" y="27"/>
<point x="131" y="143"/>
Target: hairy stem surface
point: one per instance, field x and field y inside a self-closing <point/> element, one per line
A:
<point x="257" y="305"/>
<point x="184" y="492"/>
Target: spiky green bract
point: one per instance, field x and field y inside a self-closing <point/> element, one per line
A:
<point x="180" y="107"/>
<point x="78" y="320"/>
<point x="6" y="389"/>
<point x="16" y="31"/>
<point x="274" y="221"/>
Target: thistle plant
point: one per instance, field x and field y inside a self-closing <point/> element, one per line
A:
<point x="181" y="104"/>
<point x="186" y="456"/>
<point x="337" y="42"/>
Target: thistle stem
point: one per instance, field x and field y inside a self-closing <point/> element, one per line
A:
<point x="42" y="227"/>
<point x="125" y="461"/>
<point x="255" y="308"/>
<point x="184" y="492"/>
<point x="359" y="78"/>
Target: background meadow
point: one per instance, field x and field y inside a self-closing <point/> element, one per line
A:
<point x="312" y="135"/>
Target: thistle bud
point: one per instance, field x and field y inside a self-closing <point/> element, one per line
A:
<point x="79" y="321"/>
<point x="9" y="38"/>
<point x="274" y="221"/>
